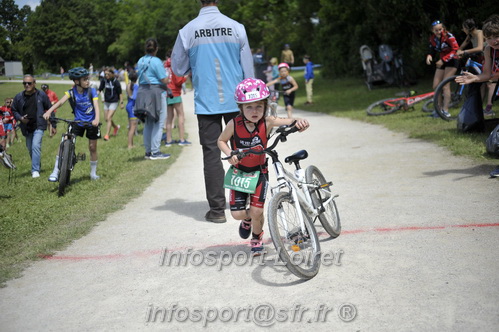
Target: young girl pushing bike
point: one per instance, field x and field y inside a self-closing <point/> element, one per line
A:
<point x="85" y="103"/>
<point x="250" y="129"/>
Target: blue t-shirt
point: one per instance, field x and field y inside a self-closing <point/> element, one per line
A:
<point x="131" y="99"/>
<point x="84" y="107"/>
<point x="151" y="70"/>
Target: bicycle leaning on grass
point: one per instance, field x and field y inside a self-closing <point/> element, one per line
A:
<point x="67" y="155"/>
<point x="405" y="102"/>
<point x="297" y="200"/>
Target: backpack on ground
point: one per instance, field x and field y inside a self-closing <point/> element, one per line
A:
<point x="470" y="119"/>
<point x="492" y="142"/>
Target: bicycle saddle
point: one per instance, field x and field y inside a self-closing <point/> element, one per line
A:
<point x="300" y="155"/>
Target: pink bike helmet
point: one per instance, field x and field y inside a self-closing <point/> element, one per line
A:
<point x="250" y="90"/>
<point x="283" y="65"/>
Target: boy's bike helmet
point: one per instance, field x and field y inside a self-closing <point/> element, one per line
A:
<point x="250" y="90"/>
<point x="44" y="87"/>
<point x="283" y="65"/>
<point x="77" y="73"/>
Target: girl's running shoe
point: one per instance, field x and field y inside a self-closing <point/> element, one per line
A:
<point x="257" y="244"/>
<point x="245" y="228"/>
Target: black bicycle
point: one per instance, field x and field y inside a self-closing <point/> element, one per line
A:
<point x="458" y="93"/>
<point x="67" y="155"/>
<point x="7" y="162"/>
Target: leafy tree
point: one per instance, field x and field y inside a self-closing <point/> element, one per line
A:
<point x="139" y="20"/>
<point x="78" y="33"/>
<point x="12" y="27"/>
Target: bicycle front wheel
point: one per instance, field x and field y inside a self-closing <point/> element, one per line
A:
<point x="428" y="106"/>
<point x="456" y="98"/>
<point x="381" y="108"/>
<point x="330" y="218"/>
<point x="298" y="247"/>
<point x="65" y="159"/>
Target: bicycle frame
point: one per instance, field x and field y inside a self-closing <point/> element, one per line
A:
<point x="406" y="102"/>
<point x="297" y="187"/>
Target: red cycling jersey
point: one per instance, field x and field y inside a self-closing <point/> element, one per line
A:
<point x="446" y="45"/>
<point x="243" y="138"/>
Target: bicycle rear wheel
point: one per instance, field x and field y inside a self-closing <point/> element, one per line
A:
<point x="456" y="98"/>
<point x="330" y="218"/>
<point x="381" y="108"/>
<point x="65" y="160"/>
<point x="298" y="248"/>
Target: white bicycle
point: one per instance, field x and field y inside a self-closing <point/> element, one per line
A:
<point x="297" y="201"/>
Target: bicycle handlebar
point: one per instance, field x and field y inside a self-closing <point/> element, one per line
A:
<point x="283" y="132"/>
<point x="85" y="123"/>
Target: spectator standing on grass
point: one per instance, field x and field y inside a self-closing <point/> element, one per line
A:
<point x="112" y="97"/>
<point x="8" y="122"/>
<point x="52" y="97"/>
<point x="490" y="70"/>
<point x="287" y="55"/>
<point x="151" y="97"/>
<point x="175" y="107"/>
<point x="216" y="49"/>
<point x="309" y="79"/>
<point x="28" y="107"/>
<point x="475" y="37"/>
<point x="131" y="89"/>
<point x="443" y="43"/>
<point x="85" y="103"/>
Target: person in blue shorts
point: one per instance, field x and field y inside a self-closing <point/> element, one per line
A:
<point x="85" y="103"/>
<point x="131" y="91"/>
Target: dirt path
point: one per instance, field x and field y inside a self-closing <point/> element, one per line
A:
<point x="418" y="250"/>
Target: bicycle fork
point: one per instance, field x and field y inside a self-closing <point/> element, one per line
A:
<point x="282" y="183"/>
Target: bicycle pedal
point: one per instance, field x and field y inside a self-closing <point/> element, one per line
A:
<point x="81" y="156"/>
<point x="327" y="184"/>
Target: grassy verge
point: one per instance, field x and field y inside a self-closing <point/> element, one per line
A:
<point x="350" y="97"/>
<point x="35" y="222"/>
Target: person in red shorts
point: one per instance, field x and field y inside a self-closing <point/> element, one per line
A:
<point x="52" y="97"/>
<point x="250" y="129"/>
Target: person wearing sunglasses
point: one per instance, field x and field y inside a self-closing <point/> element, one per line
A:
<point x="28" y="108"/>
<point x="444" y="43"/>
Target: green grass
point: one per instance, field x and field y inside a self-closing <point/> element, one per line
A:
<point x="35" y="222"/>
<point x="350" y="97"/>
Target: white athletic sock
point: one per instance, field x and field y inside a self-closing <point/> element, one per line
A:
<point x="93" y="170"/>
<point x="56" y="165"/>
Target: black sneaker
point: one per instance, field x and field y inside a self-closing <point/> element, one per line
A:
<point x="148" y="155"/>
<point x="214" y="217"/>
<point x="245" y="229"/>
<point x="495" y="173"/>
